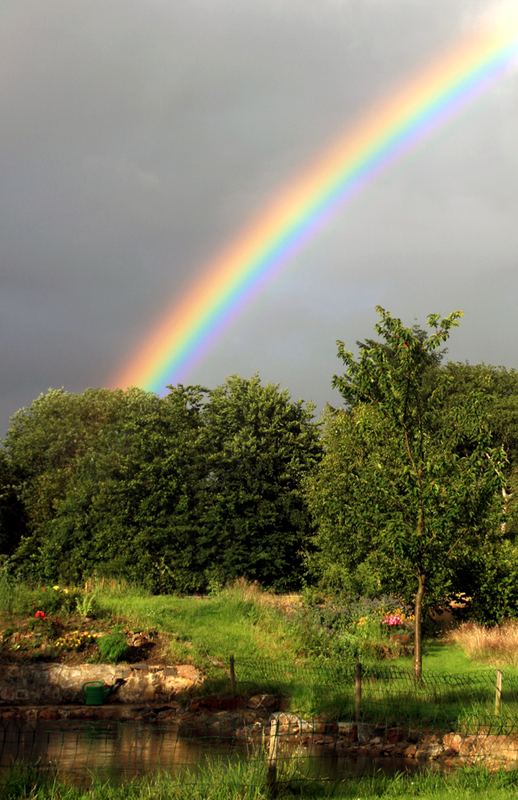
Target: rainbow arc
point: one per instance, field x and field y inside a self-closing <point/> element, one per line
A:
<point x="187" y="330"/>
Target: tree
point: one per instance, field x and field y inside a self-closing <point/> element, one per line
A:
<point x="110" y="490"/>
<point x="420" y="477"/>
<point x="176" y="493"/>
<point x="259" y="445"/>
<point x="12" y="517"/>
<point x="492" y="579"/>
<point x="44" y="442"/>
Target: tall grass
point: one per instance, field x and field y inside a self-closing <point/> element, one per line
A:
<point x="236" y="620"/>
<point x="497" y="645"/>
<point x="242" y="781"/>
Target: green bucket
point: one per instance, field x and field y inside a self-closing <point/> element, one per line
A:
<point x="94" y="692"/>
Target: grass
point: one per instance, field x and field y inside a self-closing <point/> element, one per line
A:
<point x="239" y="620"/>
<point x="247" y="781"/>
<point x="269" y="650"/>
<point x="497" y="646"/>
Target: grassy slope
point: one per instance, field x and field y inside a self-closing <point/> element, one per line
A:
<point x="238" y="621"/>
<point x="269" y="651"/>
<point x="232" y="622"/>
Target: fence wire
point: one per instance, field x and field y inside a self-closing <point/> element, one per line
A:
<point x="390" y="695"/>
<point x="319" y="728"/>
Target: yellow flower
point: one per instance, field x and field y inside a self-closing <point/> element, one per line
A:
<point x="56" y="588"/>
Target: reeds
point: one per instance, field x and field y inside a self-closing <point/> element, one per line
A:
<point x="496" y="646"/>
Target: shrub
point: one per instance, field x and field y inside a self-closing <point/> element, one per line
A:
<point x="354" y="629"/>
<point x="17" y="597"/>
<point x="113" y="646"/>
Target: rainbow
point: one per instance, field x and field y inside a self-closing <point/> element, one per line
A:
<point x="188" y="328"/>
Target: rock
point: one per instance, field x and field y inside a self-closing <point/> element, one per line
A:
<point x="452" y="742"/>
<point x="268" y="702"/>
<point x="394" y="735"/>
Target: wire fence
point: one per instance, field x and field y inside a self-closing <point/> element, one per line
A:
<point x="483" y="700"/>
<point x="312" y="721"/>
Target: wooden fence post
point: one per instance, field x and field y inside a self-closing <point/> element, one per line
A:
<point x="357" y="692"/>
<point x="273" y="748"/>
<point x="233" y="684"/>
<point x="498" y="692"/>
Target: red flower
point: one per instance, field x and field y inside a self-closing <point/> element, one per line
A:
<point x="40" y="615"/>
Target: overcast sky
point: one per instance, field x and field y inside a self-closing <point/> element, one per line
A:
<point x="139" y="136"/>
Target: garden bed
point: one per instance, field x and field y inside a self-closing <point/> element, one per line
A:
<point x="73" y="639"/>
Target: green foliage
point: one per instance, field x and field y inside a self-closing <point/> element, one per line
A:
<point x="406" y="495"/>
<point x="112" y="646"/>
<point x="18" y="597"/>
<point x="201" y="487"/>
<point x="115" y="471"/>
<point x="347" y="632"/>
<point x="86" y="604"/>
<point x="259" y="445"/>
<point x="12" y="513"/>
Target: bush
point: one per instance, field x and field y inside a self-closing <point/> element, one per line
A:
<point x="17" y="597"/>
<point x="354" y="629"/>
<point x="113" y="646"/>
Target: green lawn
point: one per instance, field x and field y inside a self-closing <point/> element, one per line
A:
<point x="269" y="655"/>
<point x="440" y="657"/>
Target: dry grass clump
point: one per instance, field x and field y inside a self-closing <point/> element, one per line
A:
<point x="497" y="645"/>
<point x="254" y="593"/>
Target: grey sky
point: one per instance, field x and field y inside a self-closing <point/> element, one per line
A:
<point x="138" y="136"/>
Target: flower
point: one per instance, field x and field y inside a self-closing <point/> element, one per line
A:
<point x="40" y="615"/>
<point x="56" y="588"/>
<point x="392" y="620"/>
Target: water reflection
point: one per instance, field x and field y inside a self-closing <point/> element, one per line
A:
<point x="112" y="749"/>
<point x="120" y="750"/>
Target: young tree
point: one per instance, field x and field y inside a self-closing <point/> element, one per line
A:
<point x="421" y="481"/>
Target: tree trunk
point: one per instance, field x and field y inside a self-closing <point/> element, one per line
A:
<point x="418" y="614"/>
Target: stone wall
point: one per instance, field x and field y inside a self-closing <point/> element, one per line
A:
<point x="364" y="739"/>
<point x="39" y="684"/>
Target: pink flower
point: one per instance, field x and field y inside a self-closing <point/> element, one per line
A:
<point x="393" y="620"/>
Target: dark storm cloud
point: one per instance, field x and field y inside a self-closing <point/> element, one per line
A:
<point x="137" y="137"/>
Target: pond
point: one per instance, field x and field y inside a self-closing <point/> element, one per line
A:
<point x="118" y="751"/>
